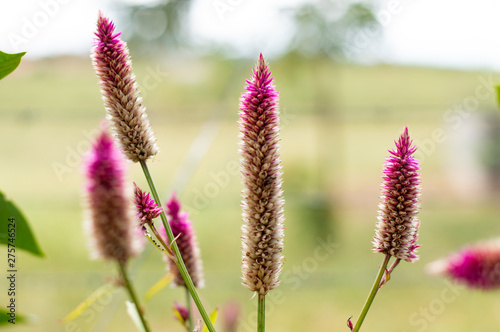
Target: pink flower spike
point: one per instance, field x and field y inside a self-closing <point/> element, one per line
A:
<point x="111" y="231"/>
<point x="147" y="209"/>
<point x="262" y="195"/>
<point x="129" y="121"/>
<point x="476" y="266"/>
<point x="183" y="231"/>
<point x="397" y="226"/>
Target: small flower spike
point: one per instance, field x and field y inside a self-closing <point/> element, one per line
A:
<point x="262" y="197"/>
<point x="182" y="229"/>
<point x="397" y="225"/>
<point x="146" y="207"/>
<point x="111" y="228"/>
<point x="126" y="113"/>
<point x="476" y="266"/>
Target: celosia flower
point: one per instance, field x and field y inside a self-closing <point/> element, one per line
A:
<point x="126" y="113"/>
<point x="262" y="197"/>
<point x="111" y="228"/>
<point x="182" y="229"/>
<point x="476" y="266"/>
<point x="397" y="225"/>
<point x="181" y="313"/>
<point x="147" y="209"/>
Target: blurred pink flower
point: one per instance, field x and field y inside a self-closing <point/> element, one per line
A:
<point x="182" y="229"/>
<point x="397" y="225"/>
<point x="476" y="266"/>
<point x="111" y="231"/>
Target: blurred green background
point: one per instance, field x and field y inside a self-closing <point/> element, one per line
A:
<point x="339" y="118"/>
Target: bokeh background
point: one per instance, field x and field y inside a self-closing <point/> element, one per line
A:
<point x="350" y="74"/>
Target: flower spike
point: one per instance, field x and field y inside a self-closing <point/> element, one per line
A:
<point x="126" y="113"/>
<point x="111" y="229"/>
<point x="262" y="197"/>
<point x="397" y="225"/>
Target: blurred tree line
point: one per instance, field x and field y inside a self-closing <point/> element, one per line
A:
<point x="337" y="29"/>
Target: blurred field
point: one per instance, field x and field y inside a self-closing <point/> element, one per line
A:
<point x="338" y="123"/>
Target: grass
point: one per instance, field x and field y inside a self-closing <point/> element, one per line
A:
<point x="338" y="122"/>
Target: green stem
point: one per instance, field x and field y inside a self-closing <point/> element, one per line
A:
<point x="261" y="314"/>
<point x="179" y="262"/>
<point x="188" y="306"/>
<point x="132" y="295"/>
<point x="373" y="292"/>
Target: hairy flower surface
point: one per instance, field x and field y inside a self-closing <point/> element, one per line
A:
<point x="262" y="197"/>
<point x="182" y="229"/>
<point x="147" y="209"/>
<point x="128" y="117"/>
<point x="476" y="266"/>
<point x="397" y="225"/>
<point x="111" y="228"/>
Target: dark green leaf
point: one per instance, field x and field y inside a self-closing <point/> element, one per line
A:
<point x="9" y="62"/>
<point x="23" y="237"/>
<point x="5" y="317"/>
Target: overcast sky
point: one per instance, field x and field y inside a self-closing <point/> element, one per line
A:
<point x="443" y="33"/>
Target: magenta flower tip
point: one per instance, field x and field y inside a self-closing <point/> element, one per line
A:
<point x="147" y="209"/>
<point x="476" y="266"/>
<point x="397" y="226"/>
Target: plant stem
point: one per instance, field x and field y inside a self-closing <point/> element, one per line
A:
<point x="179" y="262"/>
<point x="188" y="306"/>
<point x="372" y="294"/>
<point x="261" y="314"/>
<point x="132" y="295"/>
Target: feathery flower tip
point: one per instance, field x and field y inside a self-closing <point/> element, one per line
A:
<point x="182" y="229"/>
<point x="110" y="225"/>
<point x="397" y="225"/>
<point x="262" y="201"/>
<point x="476" y="266"/>
<point x="111" y="61"/>
<point x="147" y="209"/>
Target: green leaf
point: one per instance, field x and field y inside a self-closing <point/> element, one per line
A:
<point x="9" y="62"/>
<point x="89" y="301"/>
<point x="162" y="283"/>
<point x="5" y="317"/>
<point x="213" y="318"/>
<point x="23" y="237"/>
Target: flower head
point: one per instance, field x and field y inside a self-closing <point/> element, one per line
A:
<point x="147" y="209"/>
<point x="111" y="229"/>
<point x="182" y="229"/>
<point x="397" y="225"/>
<point x="476" y="266"/>
<point x="262" y="197"/>
<point x="128" y="117"/>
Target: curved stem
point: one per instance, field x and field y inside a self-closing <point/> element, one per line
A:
<point x="179" y="262"/>
<point x="132" y="295"/>
<point x="372" y="294"/>
<point x="261" y="314"/>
